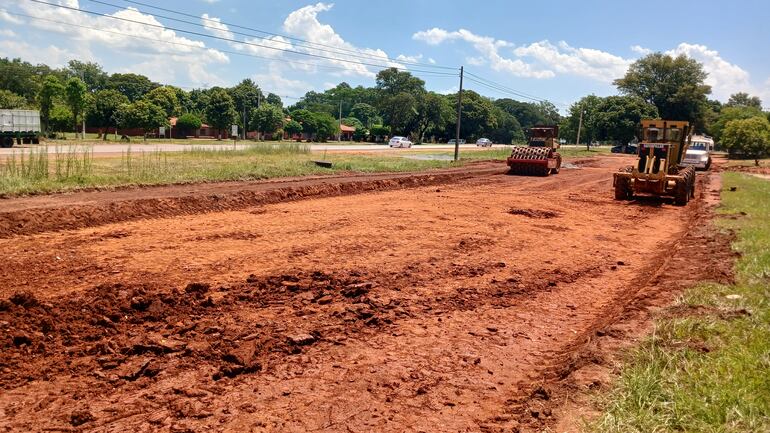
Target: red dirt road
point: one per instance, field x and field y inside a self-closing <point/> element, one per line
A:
<point x="430" y="308"/>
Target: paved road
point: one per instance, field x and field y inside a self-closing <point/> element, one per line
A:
<point x="118" y="148"/>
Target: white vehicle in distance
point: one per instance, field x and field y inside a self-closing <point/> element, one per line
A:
<point x="453" y="141"/>
<point x="398" y="141"/>
<point x="698" y="154"/>
<point x="484" y="142"/>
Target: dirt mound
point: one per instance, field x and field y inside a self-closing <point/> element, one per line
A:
<point x="120" y="333"/>
<point x="139" y="203"/>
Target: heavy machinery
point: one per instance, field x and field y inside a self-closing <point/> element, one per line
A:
<point x="539" y="156"/>
<point x="659" y="170"/>
<point x="21" y="126"/>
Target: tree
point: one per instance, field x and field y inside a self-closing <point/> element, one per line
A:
<point x="102" y="112"/>
<point x="589" y="106"/>
<point x="400" y="113"/>
<point x="392" y="82"/>
<point x="50" y="92"/>
<point x="141" y="114"/>
<point x="60" y="118"/>
<point x="267" y="119"/>
<point x="549" y="113"/>
<point x="477" y="115"/>
<point x="617" y="117"/>
<point x="326" y="126"/>
<point x="188" y="122"/>
<point x="220" y="111"/>
<point x="526" y="113"/>
<point x="274" y="100"/>
<point x="742" y="99"/>
<point x="292" y="127"/>
<point x="166" y="98"/>
<point x="134" y="86"/>
<point x="25" y="79"/>
<point x="366" y="114"/>
<point x="246" y="97"/>
<point x="433" y="112"/>
<point x="91" y="73"/>
<point x="76" y="96"/>
<point x="11" y="100"/>
<point x="728" y="114"/>
<point x="676" y="86"/>
<point x="748" y="136"/>
<point x="508" y="128"/>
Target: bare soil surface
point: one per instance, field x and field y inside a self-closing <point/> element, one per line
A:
<point x="419" y="303"/>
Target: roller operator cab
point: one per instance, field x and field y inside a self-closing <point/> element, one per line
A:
<point x="659" y="170"/>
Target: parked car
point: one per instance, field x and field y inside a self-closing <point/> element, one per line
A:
<point x="484" y="142"/>
<point x="629" y="149"/>
<point x="398" y="141"/>
<point x="452" y="141"/>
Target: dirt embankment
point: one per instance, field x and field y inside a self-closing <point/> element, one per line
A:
<point x="464" y="306"/>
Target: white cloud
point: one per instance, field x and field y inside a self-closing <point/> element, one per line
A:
<point x="409" y="59"/>
<point x="304" y="24"/>
<point x="489" y="48"/>
<point x="8" y="33"/>
<point x="584" y="62"/>
<point x="638" y="49"/>
<point x="5" y="16"/>
<point x="275" y="81"/>
<point x="134" y="34"/>
<point x="215" y="27"/>
<point x="51" y="55"/>
<point x="724" y="77"/>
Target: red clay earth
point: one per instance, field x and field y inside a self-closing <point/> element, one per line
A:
<point x="459" y="300"/>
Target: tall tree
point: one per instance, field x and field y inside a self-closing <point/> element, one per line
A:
<point x="267" y="119"/>
<point x="76" y="96"/>
<point x="50" y="92"/>
<point x="246" y="97"/>
<point x="675" y="85"/>
<point x="91" y="73"/>
<point x="433" y="112"/>
<point x="617" y="117"/>
<point x="400" y="113"/>
<point x="11" y="100"/>
<point x="526" y="113"/>
<point x="742" y="99"/>
<point x="220" y="111"/>
<point x="102" y="112"/>
<point x="392" y="82"/>
<point x="728" y="114"/>
<point x="748" y="136"/>
<point x="134" y="86"/>
<point x="366" y="113"/>
<point x="274" y="100"/>
<point x="141" y="114"/>
<point x="589" y="106"/>
<point x="165" y="97"/>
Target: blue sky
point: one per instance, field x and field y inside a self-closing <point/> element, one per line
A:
<point x="559" y="50"/>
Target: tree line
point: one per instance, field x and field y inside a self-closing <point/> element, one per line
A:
<point x="657" y="85"/>
<point x="398" y="104"/>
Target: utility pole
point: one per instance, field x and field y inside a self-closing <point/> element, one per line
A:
<point x="459" y="115"/>
<point x="245" y="123"/>
<point x="580" y="126"/>
<point x="339" y="134"/>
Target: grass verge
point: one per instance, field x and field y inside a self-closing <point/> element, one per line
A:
<point x="708" y="372"/>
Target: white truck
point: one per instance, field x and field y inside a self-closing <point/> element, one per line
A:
<point x="21" y="126"/>
<point x="698" y="154"/>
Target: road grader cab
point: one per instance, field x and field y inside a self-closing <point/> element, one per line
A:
<point x="658" y="170"/>
<point x="539" y="156"/>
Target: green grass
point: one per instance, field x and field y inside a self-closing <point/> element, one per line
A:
<point x="74" y="168"/>
<point x="670" y="384"/>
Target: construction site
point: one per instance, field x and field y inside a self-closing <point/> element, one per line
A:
<point x="451" y="300"/>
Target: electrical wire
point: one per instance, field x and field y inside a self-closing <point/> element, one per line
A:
<point x="321" y="47"/>
<point x="233" y="40"/>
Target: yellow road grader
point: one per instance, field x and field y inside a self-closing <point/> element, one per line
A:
<point x="659" y="171"/>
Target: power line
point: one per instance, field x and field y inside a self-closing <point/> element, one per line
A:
<point x="323" y="47"/>
<point x="232" y="40"/>
<point x="505" y="88"/>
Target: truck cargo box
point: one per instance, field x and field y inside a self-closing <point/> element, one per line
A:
<point x="19" y="121"/>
